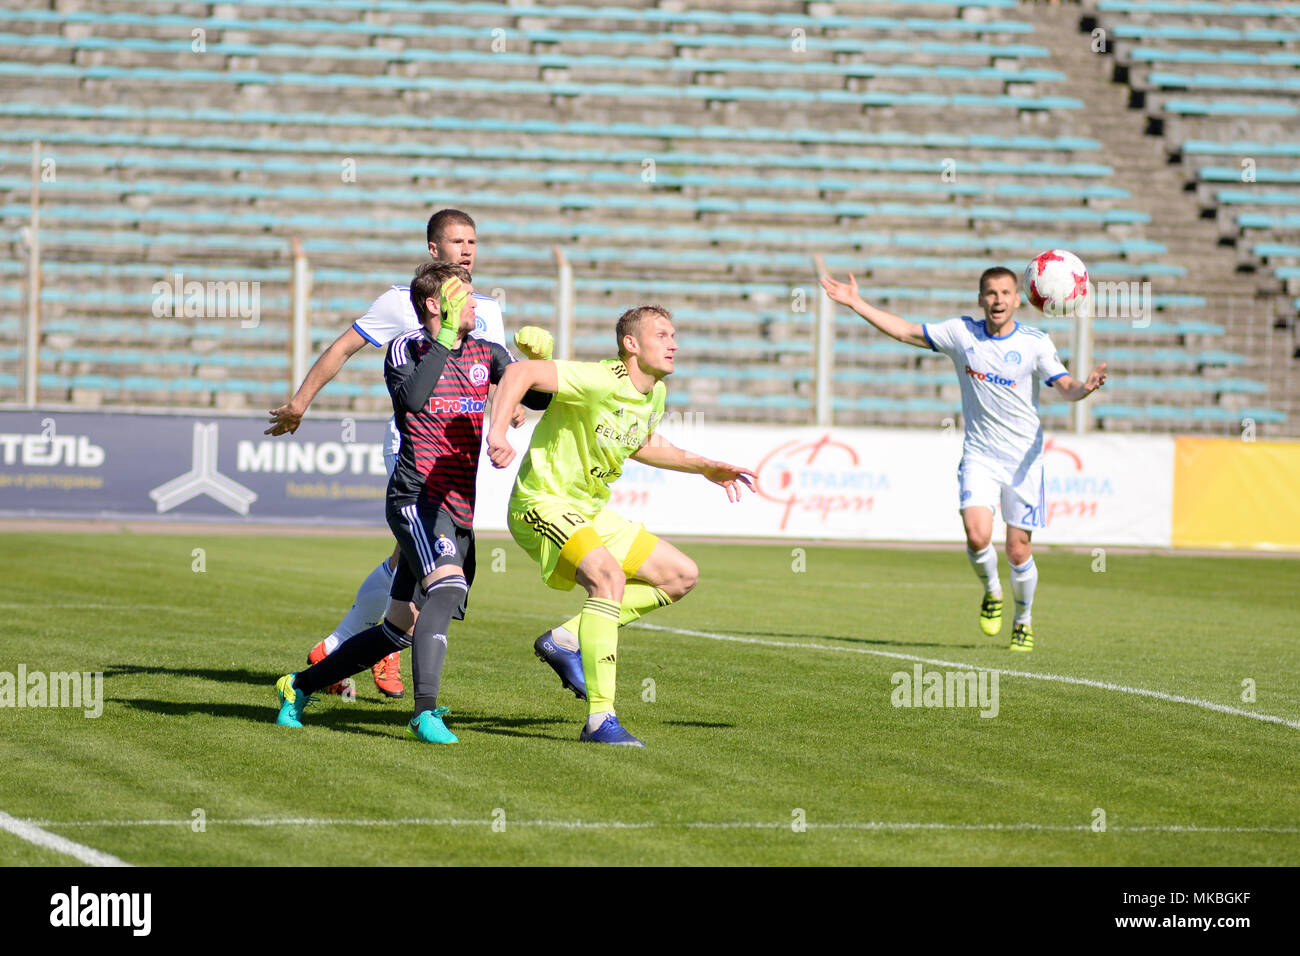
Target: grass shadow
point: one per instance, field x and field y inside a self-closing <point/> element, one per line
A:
<point x="345" y="720"/>
<point x="860" y="640"/>
<point x="226" y="675"/>
<point x="507" y="726"/>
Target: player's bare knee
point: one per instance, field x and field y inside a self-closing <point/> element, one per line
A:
<point x="976" y="541"/>
<point x="686" y="576"/>
<point x="602" y="576"/>
<point x="1019" y="552"/>
<point x="401" y="614"/>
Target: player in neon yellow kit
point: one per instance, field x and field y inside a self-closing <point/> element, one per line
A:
<point x="602" y="414"/>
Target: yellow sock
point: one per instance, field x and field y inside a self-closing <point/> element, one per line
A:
<point x="598" y="636"/>
<point x="638" y="600"/>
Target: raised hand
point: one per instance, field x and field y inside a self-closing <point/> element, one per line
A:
<point x="845" y="293"/>
<point x="451" y="302"/>
<point x="286" y="418"/>
<point x="1097" y="379"/>
<point x="535" y="342"/>
<point x="729" y="477"/>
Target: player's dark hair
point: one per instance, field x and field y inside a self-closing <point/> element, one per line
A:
<point x="444" y="219"/>
<point x="629" y="323"/>
<point x="997" y="272"/>
<point x="429" y="279"/>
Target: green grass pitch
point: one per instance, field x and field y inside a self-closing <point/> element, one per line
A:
<point x="744" y="739"/>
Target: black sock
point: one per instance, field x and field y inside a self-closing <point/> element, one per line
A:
<point x="354" y="655"/>
<point x="429" y="647"/>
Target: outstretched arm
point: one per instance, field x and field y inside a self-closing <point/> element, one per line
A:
<point x="659" y="452"/>
<point x="519" y="379"/>
<point x="288" y="416"/>
<point x="896" y="327"/>
<point x="1076" y="391"/>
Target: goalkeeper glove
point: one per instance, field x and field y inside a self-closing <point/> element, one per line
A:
<point x="534" y="342"/>
<point x="451" y="300"/>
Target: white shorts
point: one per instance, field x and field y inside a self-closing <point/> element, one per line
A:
<point x="392" y="445"/>
<point x="1022" y="494"/>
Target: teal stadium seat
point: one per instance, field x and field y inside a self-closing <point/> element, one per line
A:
<point x="1254" y="148"/>
<point x="417" y="31"/>
<point x="540" y="88"/>
<point x="670" y="131"/>
<point x="1218" y="81"/>
<point x="1248" y="197"/>
<point x="1228" y="174"/>
<point x="494" y="60"/>
<point x="1228" y="108"/>
<point x="1203" y="8"/>
<point x="655" y="15"/>
<point x="456" y="150"/>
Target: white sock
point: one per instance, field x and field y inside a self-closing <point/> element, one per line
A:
<point x="595" y="720"/>
<point x="565" y="638"/>
<point x="985" y="564"/>
<point x="1023" y="581"/>
<point x="368" y="608"/>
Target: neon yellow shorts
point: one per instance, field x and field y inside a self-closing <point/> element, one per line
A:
<point x="558" y="536"/>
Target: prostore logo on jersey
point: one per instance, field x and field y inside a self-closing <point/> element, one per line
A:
<point x="991" y="378"/>
<point x="456" y="406"/>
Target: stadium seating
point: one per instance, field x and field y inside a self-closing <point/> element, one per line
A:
<point x="698" y="157"/>
<point x="1234" y="137"/>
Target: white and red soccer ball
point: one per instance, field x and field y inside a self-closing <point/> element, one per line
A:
<point x="1056" y="283"/>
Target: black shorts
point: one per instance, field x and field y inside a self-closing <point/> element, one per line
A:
<point x="429" y="539"/>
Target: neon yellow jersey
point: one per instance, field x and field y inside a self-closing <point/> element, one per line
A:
<point x="596" y="419"/>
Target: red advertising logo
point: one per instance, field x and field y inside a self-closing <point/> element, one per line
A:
<point x="821" y="477"/>
<point x="1074" y="495"/>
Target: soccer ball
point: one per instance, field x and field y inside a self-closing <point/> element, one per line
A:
<point x="1056" y="283"/>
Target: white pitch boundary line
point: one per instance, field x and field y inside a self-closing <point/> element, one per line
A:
<point x="1055" y="678"/>
<point x="880" y="825"/>
<point x="32" y="833"/>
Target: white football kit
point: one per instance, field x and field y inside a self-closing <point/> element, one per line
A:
<point x="1002" y="446"/>
<point x="392" y="314"/>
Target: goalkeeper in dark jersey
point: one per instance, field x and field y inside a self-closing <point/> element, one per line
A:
<point x="438" y="377"/>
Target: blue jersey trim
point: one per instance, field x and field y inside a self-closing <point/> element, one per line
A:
<point x="926" y="333"/>
<point x="999" y="338"/>
<point x="361" y="332"/>
<point x="1055" y="377"/>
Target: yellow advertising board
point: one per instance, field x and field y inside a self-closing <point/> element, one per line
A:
<point x="1230" y="493"/>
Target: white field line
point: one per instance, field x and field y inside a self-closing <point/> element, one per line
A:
<point x="858" y="585"/>
<point x="32" y="833"/>
<point x="451" y="822"/>
<point x="955" y="665"/>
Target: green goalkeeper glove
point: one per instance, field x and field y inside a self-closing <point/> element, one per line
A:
<point x="451" y="300"/>
<point x="536" y="343"/>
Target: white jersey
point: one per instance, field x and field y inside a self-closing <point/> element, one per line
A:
<point x="1000" y="376"/>
<point x="393" y="314"/>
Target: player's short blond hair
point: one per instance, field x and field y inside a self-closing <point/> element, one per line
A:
<point x="998" y="272"/>
<point x="629" y="323"/>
